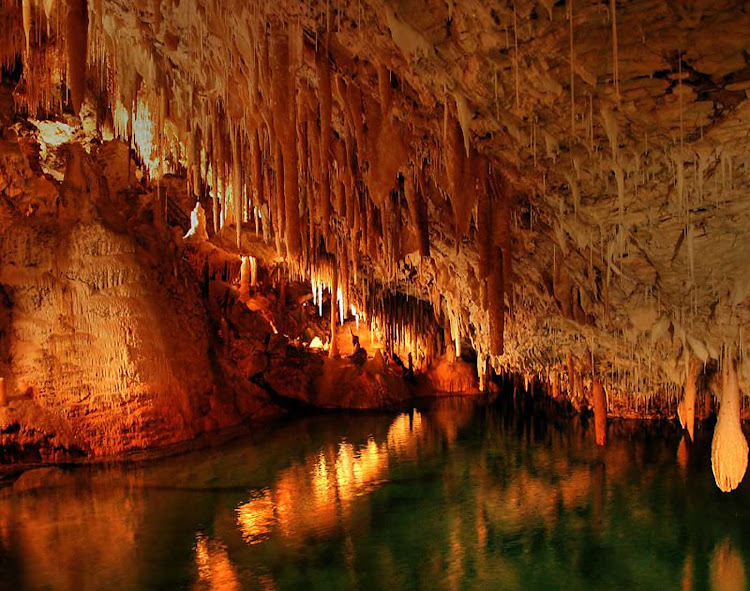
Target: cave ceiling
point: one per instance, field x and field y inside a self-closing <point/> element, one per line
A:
<point x="563" y="183"/>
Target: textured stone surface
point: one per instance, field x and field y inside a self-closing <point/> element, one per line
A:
<point x="625" y="176"/>
<point x="572" y="174"/>
<point x="105" y="338"/>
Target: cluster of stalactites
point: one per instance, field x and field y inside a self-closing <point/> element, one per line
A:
<point x="273" y="153"/>
<point x="50" y="39"/>
<point x="319" y="162"/>
<point x="475" y="183"/>
<point x="406" y="325"/>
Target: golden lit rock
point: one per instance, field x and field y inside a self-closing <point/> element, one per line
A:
<point x="437" y="196"/>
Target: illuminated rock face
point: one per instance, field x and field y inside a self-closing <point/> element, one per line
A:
<point x="105" y="346"/>
<point x="554" y="180"/>
<point x="556" y="188"/>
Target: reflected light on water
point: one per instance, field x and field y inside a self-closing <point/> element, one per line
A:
<point x="448" y="499"/>
<point x="215" y="571"/>
<point x="312" y="497"/>
<point x="727" y="568"/>
<point x="256" y="517"/>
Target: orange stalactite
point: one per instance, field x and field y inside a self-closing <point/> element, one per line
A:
<point x="333" y="348"/>
<point x="686" y="408"/>
<point x="600" y="412"/>
<point x="496" y="304"/>
<point x="76" y="38"/>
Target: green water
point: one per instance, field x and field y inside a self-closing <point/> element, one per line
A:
<point x="459" y="495"/>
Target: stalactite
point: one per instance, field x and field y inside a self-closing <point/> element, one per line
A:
<point x="386" y="91"/>
<point x="291" y="190"/>
<point x="484" y="239"/>
<point x="323" y="157"/>
<point x="26" y="8"/>
<point x="237" y="188"/>
<point x="600" y="411"/>
<point x="194" y="161"/>
<point x="516" y="60"/>
<point x="354" y="104"/>
<point x="455" y="163"/>
<point x="496" y="303"/>
<point x="615" y="58"/>
<point x="572" y="383"/>
<point x="279" y="209"/>
<point x="159" y="203"/>
<point x="333" y="348"/>
<point x="572" y="72"/>
<point x="417" y="212"/>
<point x="729" y="447"/>
<point x="686" y="408"/>
<point x="343" y="285"/>
<point x="214" y="178"/>
<point x="76" y="39"/>
<point x="256" y="170"/>
<point x="323" y="68"/>
<point x="3" y="393"/>
<point x="464" y="120"/>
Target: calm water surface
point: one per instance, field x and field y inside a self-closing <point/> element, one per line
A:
<point x="459" y="495"/>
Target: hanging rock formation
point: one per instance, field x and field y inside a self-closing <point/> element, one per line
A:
<point x="729" y="446"/>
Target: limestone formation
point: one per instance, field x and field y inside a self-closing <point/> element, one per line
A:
<point x="729" y="446"/>
<point x="529" y="185"/>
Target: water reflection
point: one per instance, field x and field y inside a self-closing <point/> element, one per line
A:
<point x="727" y="568"/>
<point x="257" y="517"/>
<point x="449" y="497"/>
<point x="215" y="571"/>
<point x="314" y="495"/>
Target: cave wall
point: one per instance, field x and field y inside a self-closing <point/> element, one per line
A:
<point x="106" y="338"/>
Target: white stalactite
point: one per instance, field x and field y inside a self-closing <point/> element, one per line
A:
<point x="729" y="447"/>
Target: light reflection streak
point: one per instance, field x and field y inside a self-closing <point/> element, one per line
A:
<point x="215" y="570"/>
<point x="307" y="498"/>
<point x="727" y="568"/>
<point x="256" y="517"/>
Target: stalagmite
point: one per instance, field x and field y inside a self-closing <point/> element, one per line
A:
<point x="253" y="271"/>
<point x="3" y="393"/>
<point x="729" y="447"/>
<point x="76" y="39"/>
<point x="600" y="412"/>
